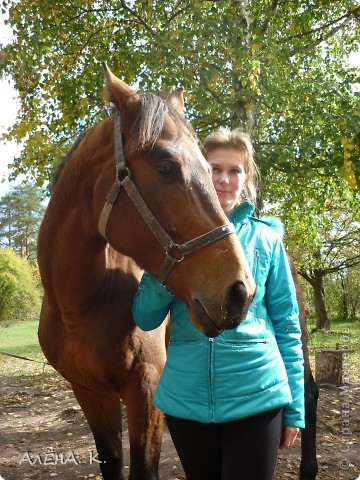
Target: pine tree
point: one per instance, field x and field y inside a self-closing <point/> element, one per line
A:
<point x="21" y="211"/>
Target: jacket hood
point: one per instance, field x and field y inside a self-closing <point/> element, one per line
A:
<point x="242" y="213"/>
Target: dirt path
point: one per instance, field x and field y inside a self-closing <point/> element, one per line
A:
<point x="44" y="435"/>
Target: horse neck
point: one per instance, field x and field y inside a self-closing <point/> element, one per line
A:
<point x="75" y="258"/>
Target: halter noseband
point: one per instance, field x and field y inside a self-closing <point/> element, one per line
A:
<point x="124" y="181"/>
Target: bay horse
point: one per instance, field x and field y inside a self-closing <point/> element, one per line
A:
<point x="133" y="194"/>
<point x="308" y="463"/>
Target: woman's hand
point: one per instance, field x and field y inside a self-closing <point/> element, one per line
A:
<point x="288" y="436"/>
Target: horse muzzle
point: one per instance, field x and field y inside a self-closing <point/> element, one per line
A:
<point x="214" y="316"/>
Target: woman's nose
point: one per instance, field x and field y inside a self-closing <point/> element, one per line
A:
<point x="224" y="177"/>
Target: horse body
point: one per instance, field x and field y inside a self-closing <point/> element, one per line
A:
<point x="86" y="328"/>
<point x="87" y="332"/>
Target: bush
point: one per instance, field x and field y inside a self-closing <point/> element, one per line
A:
<point x="20" y="292"/>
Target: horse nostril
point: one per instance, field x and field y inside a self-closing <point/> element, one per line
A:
<point x="237" y="299"/>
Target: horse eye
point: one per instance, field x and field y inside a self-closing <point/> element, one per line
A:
<point x="166" y="169"/>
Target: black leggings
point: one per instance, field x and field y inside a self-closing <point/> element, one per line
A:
<point x="245" y="449"/>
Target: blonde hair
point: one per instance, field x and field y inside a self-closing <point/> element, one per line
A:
<point x="238" y="140"/>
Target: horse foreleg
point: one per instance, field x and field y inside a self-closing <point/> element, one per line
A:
<point x="308" y="465"/>
<point x="145" y="424"/>
<point x="103" y="413"/>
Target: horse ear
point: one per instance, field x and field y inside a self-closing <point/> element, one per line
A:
<point x="176" y="100"/>
<point x="117" y="91"/>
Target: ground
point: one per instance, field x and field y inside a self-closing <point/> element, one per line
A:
<point x="44" y="435"/>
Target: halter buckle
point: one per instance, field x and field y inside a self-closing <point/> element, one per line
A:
<point x="178" y="248"/>
<point x="123" y="173"/>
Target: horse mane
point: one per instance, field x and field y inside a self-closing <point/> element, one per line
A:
<point x="150" y="121"/>
<point x="66" y="157"/>
<point x="145" y="130"/>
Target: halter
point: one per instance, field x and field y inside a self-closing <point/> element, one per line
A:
<point x="174" y="253"/>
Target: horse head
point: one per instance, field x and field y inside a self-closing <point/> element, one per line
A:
<point x="174" y="217"/>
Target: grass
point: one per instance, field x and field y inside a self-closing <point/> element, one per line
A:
<point x="21" y="339"/>
<point x="342" y="335"/>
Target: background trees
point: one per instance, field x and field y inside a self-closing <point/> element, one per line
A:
<point x="328" y="248"/>
<point x="21" y="211"/>
<point x="277" y="69"/>
<point x="20" y="290"/>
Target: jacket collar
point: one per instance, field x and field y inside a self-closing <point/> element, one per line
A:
<point x="241" y="213"/>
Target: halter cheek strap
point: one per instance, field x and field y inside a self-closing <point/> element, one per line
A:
<point x="174" y="253"/>
<point x="116" y="187"/>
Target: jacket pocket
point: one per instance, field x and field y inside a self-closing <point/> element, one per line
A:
<point x="184" y="341"/>
<point x="248" y="342"/>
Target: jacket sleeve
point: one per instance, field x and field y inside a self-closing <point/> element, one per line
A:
<point x="282" y="307"/>
<point x="151" y="303"/>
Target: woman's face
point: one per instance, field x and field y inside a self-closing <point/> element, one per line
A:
<point x="228" y="176"/>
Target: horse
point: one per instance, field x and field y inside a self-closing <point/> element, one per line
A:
<point x="133" y="194"/>
<point x="308" y="464"/>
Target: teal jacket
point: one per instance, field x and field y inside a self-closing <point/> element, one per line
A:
<point x="255" y="367"/>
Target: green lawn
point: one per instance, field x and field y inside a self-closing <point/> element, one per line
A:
<point x="21" y="339"/>
<point x="342" y="335"/>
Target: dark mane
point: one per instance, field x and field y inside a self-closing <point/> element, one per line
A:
<point x="67" y="156"/>
<point x="144" y="131"/>
<point x="150" y="122"/>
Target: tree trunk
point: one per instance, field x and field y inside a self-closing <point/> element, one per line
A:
<point x="244" y="112"/>
<point x="344" y="302"/>
<point x="329" y="366"/>
<point x="322" y="317"/>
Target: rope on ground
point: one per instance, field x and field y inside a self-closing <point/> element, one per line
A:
<point x="44" y="363"/>
<point x="23" y="358"/>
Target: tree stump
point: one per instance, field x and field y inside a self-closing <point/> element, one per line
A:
<point x="329" y="366"/>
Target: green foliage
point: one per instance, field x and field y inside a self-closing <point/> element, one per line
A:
<point x="327" y="240"/>
<point x="276" y="69"/>
<point x="323" y="241"/>
<point x="20" y="292"/>
<point x="343" y="294"/>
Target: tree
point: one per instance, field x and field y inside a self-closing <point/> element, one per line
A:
<point x="350" y="299"/>
<point x="276" y="69"/>
<point x="21" y="211"/>
<point x="329" y="246"/>
<point x="343" y="294"/>
<point x="20" y="292"/>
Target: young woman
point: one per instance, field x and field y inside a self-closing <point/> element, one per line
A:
<point x="232" y="401"/>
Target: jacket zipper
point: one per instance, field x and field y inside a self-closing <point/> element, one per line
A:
<point x="211" y="341"/>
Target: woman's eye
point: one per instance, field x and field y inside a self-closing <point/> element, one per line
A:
<point x="166" y="169"/>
